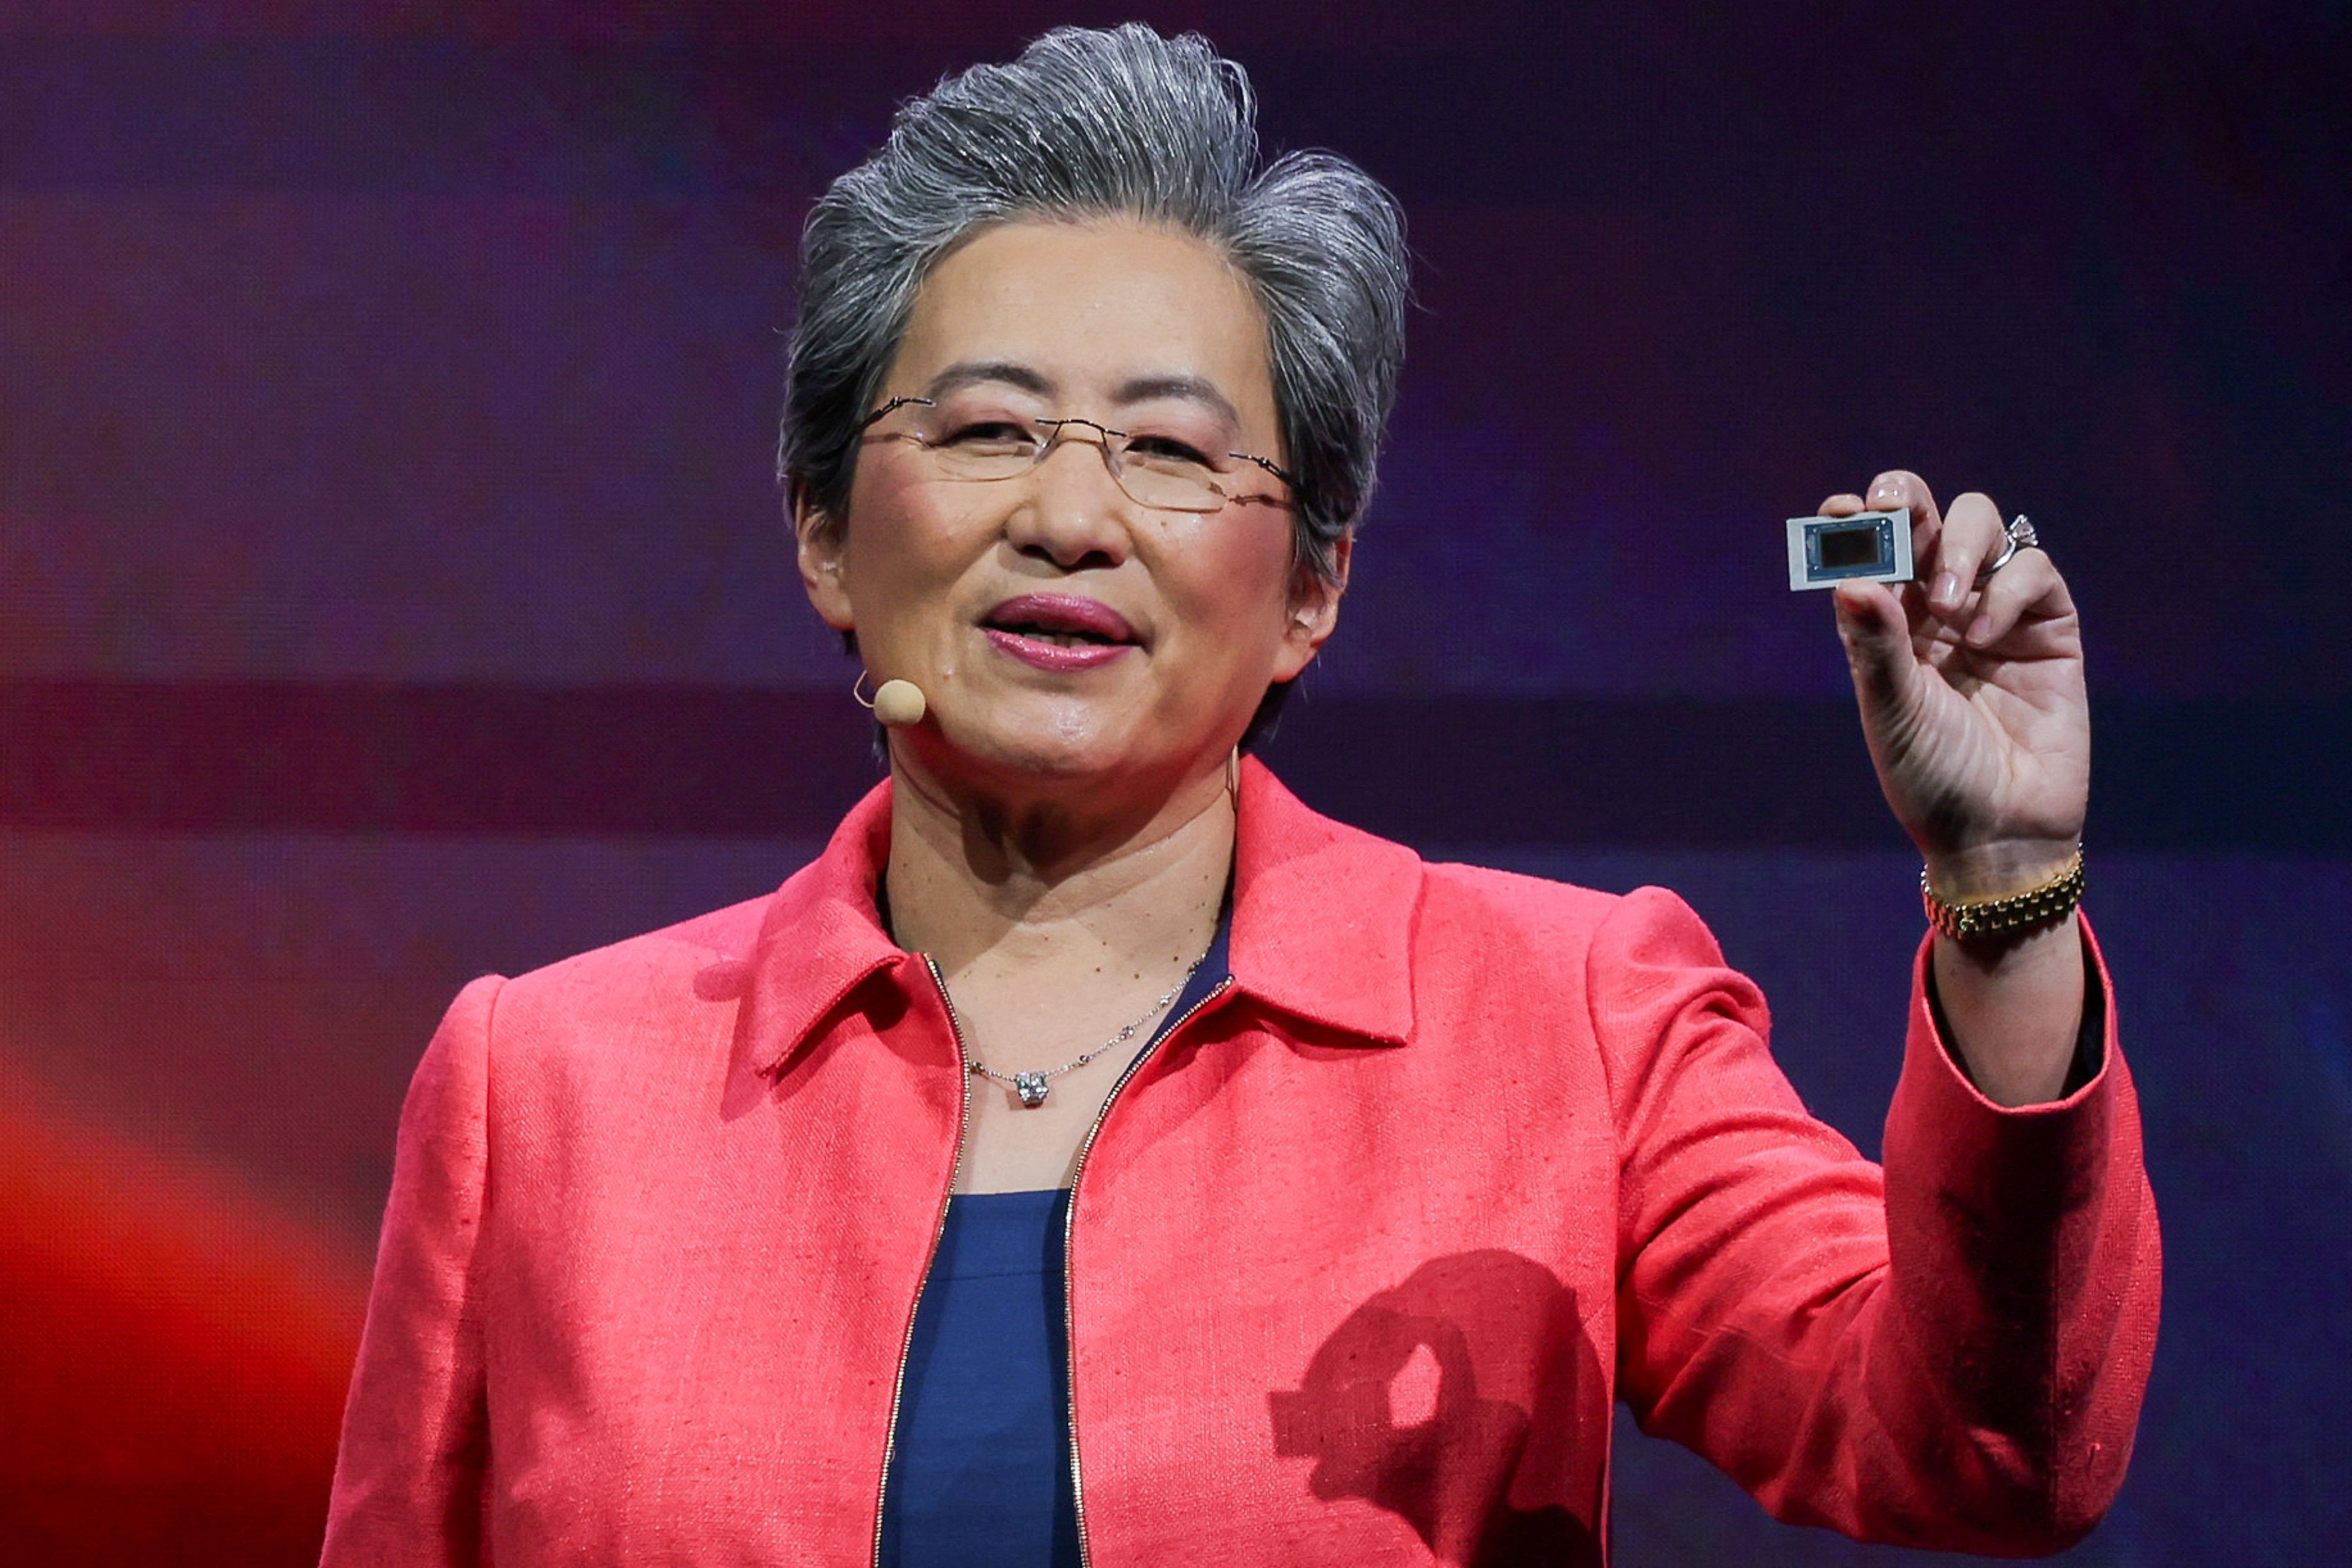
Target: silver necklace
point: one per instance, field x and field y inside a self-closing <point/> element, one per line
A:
<point x="1032" y="1087"/>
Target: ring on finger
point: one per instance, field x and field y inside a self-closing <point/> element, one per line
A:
<point x="2017" y="534"/>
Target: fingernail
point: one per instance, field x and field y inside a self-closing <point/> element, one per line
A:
<point x="1980" y="633"/>
<point x="1886" y="492"/>
<point x="1946" y="593"/>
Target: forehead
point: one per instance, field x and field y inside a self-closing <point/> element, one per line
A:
<point x="1092" y="308"/>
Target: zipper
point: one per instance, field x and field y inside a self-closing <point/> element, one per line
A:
<point x="938" y="1228"/>
<point x="1069" y="1227"/>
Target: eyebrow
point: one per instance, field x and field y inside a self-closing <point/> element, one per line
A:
<point x="971" y="373"/>
<point x="1142" y="389"/>
<point x="1189" y="388"/>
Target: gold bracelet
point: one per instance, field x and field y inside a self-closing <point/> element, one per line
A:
<point x="1971" y="919"/>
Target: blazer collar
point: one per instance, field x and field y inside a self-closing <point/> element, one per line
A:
<point x="1322" y="929"/>
<point x="1323" y="914"/>
<point x="821" y="938"/>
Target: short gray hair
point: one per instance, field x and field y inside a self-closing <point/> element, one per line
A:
<point x="1115" y="123"/>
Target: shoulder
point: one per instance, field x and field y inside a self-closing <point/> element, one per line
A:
<point x="1366" y="900"/>
<point x="1481" y="903"/>
<point x="1626" y="966"/>
<point x="620" y="1019"/>
<point x="652" y="962"/>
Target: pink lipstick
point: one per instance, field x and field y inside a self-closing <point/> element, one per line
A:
<point x="1060" y="632"/>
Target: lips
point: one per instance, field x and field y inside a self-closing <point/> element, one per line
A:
<point x="1059" y="630"/>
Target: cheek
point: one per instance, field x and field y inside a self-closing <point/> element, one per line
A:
<point x="900" y="537"/>
<point x="1232" y="600"/>
<point x="1239" y="579"/>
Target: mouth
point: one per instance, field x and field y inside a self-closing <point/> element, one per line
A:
<point x="1062" y="620"/>
<point x="1059" y="632"/>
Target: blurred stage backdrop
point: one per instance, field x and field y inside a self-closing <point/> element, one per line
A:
<point x="392" y="588"/>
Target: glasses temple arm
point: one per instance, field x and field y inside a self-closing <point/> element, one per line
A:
<point x="893" y="406"/>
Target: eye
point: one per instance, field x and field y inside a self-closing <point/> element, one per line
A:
<point x="1163" y="450"/>
<point x="989" y="435"/>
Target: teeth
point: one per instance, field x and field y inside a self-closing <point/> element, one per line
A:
<point x="1059" y="639"/>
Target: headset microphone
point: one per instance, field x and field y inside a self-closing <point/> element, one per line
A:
<point x="900" y="704"/>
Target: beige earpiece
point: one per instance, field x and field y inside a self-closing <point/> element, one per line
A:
<point x="900" y="704"/>
<point x="895" y="703"/>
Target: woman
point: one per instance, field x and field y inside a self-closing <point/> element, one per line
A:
<point x="1094" y="1151"/>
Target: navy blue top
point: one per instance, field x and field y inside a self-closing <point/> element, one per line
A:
<point x="980" y="1474"/>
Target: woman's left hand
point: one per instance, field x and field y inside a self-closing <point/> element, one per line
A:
<point x="1972" y="693"/>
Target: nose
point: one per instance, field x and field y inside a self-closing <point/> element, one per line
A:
<point x="1072" y="512"/>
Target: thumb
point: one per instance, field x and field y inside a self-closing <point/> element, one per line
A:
<point x="1877" y="638"/>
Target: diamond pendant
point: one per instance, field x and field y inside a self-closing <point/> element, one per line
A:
<point x="1031" y="1087"/>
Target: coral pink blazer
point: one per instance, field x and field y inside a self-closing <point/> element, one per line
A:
<point x="1361" y="1256"/>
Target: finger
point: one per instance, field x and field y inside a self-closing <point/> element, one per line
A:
<point x="1973" y="536"/>
<point x="1877" y="638"/>
<point x="2030" y="582"/>
<point x="1900" y="490"/>
<point x="1895" y="490"/>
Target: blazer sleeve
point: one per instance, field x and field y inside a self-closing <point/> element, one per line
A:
<point x="414" y="1454"/>
<point x="1949" y="1353"/>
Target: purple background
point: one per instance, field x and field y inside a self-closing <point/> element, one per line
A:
<point x="392" y="588"/>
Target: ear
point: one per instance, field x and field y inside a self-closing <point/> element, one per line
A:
<point x="1314" y="610"/>
<point x="818" y="542"/>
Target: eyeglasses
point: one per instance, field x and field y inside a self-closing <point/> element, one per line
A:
<point x="1155" y="469"/>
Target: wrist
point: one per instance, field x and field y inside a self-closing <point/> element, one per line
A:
<point x="2000" y="921"/>
<point x="2012" y="1017"/>
<point x="1998" y="870"/>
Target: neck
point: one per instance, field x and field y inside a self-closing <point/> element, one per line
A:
<point x="980" y="883"/>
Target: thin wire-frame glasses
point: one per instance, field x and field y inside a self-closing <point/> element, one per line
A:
<point x="1153" y="470"/>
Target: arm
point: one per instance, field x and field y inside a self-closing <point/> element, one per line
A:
<point x="409" y="1477"/>
<point x="1958" y="1361"/>
<point x="1949" y="1355"/>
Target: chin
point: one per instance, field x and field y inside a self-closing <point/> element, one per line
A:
<point x="1055" y="737"/>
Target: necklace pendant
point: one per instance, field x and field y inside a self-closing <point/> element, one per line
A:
<point x="1031" y="1087"/>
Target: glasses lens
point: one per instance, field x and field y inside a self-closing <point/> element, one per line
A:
<point x="967" y="439"/>
<point x="982" y="460"/>
<point x="1177" y="487"/>
<point x="1170" y="466"/>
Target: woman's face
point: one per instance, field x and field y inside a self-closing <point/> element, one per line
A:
<point x="1057" y="626"/>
